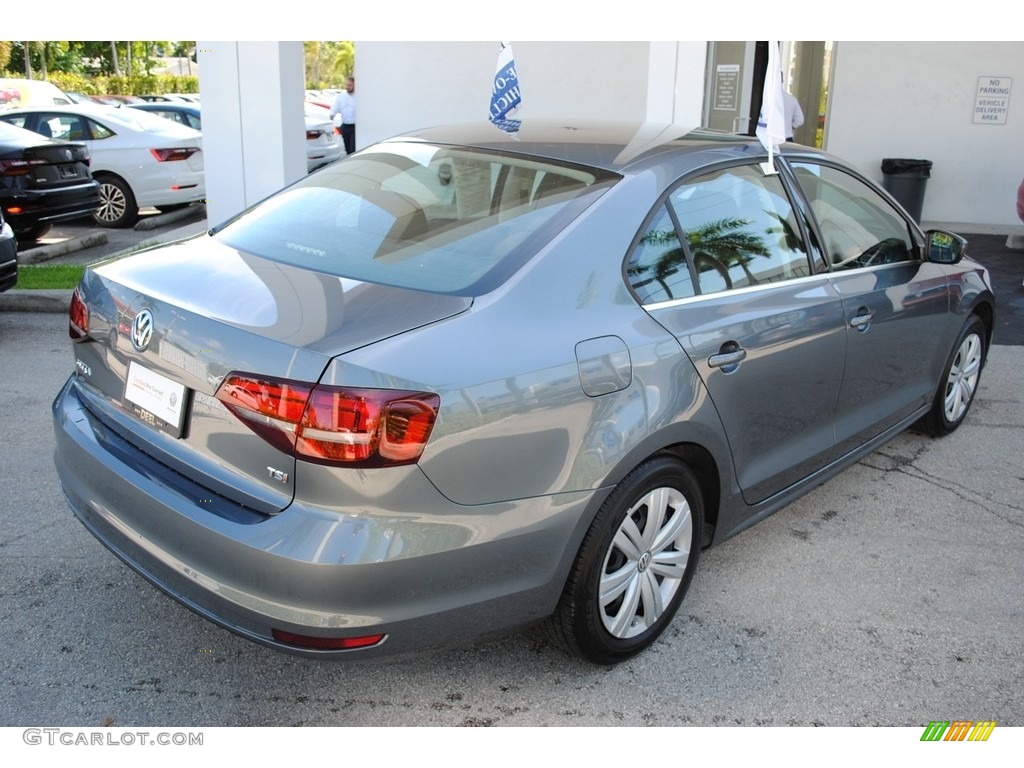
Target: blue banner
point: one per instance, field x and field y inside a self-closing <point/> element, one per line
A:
<point x="505" y="94"/>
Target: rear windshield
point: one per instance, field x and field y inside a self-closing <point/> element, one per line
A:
<point x="414" y="215"/>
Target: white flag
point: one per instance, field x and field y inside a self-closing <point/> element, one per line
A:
<point x="505" y="95"/>
<point x="771" y="123"/>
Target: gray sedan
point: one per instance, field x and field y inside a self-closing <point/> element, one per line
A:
<point x="460" y="382"/>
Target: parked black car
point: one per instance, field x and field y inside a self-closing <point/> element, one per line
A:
<point x="8" y="256"/>
<point x="43" y="181"/>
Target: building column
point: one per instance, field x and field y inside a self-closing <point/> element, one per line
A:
<point x="254" y="139"/>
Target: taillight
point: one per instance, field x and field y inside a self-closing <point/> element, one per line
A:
<point x="333" y="425"/>
<point x="312" y="135"/>
<point x="78" y="317"/>
<point x="18" y="167"/>
<point x="177" y="153"/>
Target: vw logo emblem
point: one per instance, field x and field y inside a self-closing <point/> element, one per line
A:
<point x="142" y="330"/>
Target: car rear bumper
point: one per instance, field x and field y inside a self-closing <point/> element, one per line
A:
<point x="427" y="578"/>
<point x="42" y="207"/>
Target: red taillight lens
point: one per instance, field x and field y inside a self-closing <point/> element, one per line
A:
<point x="78" y="317"/>
<point x="312" y="135"/>
<point x="18" y="167"/>
<point x="178" y="153"/>
<point x="270" y="407"/>
<point x="334" y="425"/>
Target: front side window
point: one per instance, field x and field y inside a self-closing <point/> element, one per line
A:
<point x="740" y="229"/>
<point x="416" y="215"/>
<point x="860" y="227"/>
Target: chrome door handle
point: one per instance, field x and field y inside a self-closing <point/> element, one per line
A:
<point x="726" y="359"/>
<point x="861" y="322"/>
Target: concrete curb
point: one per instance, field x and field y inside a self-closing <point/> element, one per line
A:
<point x="48" y="252"/>
<point x="36" y="301"/>
<point x="163" y="219"/>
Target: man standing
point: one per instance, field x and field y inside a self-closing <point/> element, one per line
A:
<point x="345" y="105"/>
<point x="794" y="115"/>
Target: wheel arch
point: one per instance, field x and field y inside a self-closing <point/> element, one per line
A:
<point x="105" y="173"/>
<point x="986" y="313"/>
<point x="707" y="455"/>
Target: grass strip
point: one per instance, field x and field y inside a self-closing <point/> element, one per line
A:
<point x="49" y="276"/>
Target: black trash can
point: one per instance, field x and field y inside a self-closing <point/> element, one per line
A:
<point x="905" y="180"/>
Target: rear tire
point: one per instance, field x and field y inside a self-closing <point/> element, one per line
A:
<point x="634" y="566"/>
<point x="959" y="381"/>
<point x="117" y="206"/>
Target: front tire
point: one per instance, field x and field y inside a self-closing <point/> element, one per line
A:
<point x="959" y="382"/>
<point x="117" y="206"/>
<point x="635" y="564"/>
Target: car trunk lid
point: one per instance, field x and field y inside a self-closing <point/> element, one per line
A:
<point x="166" y="326"/>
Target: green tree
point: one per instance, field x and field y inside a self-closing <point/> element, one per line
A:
<point x="328" y="63"/>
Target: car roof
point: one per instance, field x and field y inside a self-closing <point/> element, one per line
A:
<point x="167" y="106"/>
<point x="622" y="147"/>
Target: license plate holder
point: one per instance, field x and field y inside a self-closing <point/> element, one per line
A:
<point x="156" y="399"/>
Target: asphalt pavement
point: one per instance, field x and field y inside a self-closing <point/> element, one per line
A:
<point x="889" y="596"/>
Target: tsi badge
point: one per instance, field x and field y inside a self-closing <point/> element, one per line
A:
<point x="277" y="474"/>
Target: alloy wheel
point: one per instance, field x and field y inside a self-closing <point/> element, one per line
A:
<point x="113" y="203"/>
<point x="963" y="378"/>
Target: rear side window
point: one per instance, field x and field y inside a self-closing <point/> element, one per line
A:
<point x="740" y="228"/>
<point x="658" y="269"/>
<point x="415" y="215"/>
<point x="729" y="229"/>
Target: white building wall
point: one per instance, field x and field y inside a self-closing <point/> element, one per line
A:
<point x="916" y="100"/>
<point x="403" y="86"/>
<point x="254" y="139"/>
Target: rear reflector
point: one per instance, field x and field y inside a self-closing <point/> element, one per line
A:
<point x="327" y="643"/>
<point x="78" y="317"/>
<point x="177" y="153"/>
<point x="333" y="425"/>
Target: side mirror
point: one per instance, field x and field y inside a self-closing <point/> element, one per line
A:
<point x="945" y="247"/>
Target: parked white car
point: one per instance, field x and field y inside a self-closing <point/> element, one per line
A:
<point x="139" y="159"/>
<point x="322" y="142"/>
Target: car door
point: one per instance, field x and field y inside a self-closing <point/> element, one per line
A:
<point x="723" y="265"/>
<point x="893" y="301"/>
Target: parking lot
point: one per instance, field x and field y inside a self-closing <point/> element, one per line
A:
<point x="889" y="596"/>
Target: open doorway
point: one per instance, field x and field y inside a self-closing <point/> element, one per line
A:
<point x="735" y="83"/>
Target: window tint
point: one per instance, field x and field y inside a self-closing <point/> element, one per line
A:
<point x="740" y="229"/>
<point x="860" y="228"/>
<point x="415" y="215"/>
<point x="657" y="269"/>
